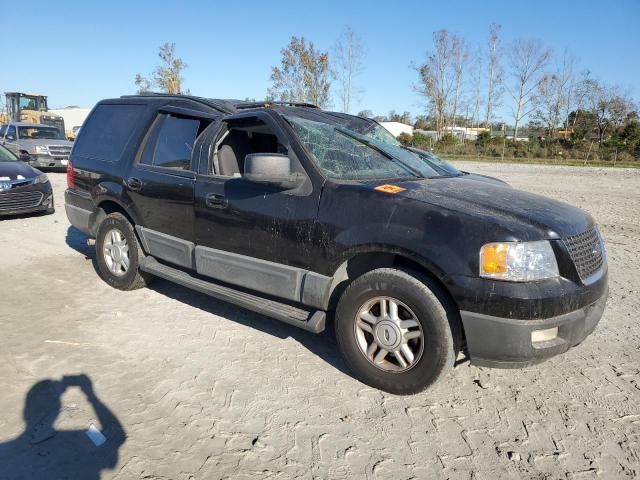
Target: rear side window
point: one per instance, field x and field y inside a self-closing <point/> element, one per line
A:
<point x="170" y="142"/>
<point x="106" y="132"/>
<point x="3" y="129"/>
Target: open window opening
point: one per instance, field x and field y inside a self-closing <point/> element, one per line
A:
<point x="171" y="140"/>
<point x="241" y="138"/>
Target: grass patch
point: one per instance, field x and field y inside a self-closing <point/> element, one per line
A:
<point x="570" y="162"/>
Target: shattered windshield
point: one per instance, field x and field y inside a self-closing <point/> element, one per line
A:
<point x="378" y="133"/>
<point x="345" y="154"/>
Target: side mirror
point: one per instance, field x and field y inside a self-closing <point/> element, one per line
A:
<point x="10" y="137"/>
<point x="271" y="169"/>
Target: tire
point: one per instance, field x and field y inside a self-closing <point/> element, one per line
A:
<point x="129" y="278"/>
<point x="421" y="307"/>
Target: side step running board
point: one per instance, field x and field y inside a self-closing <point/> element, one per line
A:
<point x="312" y="321"/>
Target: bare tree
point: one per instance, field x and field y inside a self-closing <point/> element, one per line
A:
<point x="609" y="106"/>
<point x="549" y="102"/>
<point x="399" y="117"/>
<point x="476" y="74"/>
<point x="527" y="61"/>
<point x="552" y="102"/>
<point x="459" y="64"/>
<point x="554" y="96"/>
<point x="568" y="75"/>
<point x="436" y="82"/>
<point x="365" y="114"/>
<point x="349" y="63"/>
<point x="494" y="72"/>
<point x="303" y="75"/>
<point x="167" y="76"/>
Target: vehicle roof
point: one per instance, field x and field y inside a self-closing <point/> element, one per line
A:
<point x="229" y="106"/>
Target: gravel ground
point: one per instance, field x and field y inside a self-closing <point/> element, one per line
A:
<point x="183" y="386"/>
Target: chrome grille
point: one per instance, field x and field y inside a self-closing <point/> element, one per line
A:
<point x="587" y="252"/>
<point x="19" y="200"/>
<point x="59" y="150"/>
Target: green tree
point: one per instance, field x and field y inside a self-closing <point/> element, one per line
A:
<point x="399" y="117"/>
<point x="630" y="136"/>
<point x="484" y="138"/>
<point x="167" y="76"/>
<point x="304" y="74"/>
<point x="584" y="124"/>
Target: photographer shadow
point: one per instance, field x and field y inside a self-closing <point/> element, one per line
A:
<point x="41" y="451"/>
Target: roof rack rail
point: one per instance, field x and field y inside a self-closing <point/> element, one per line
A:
<point x="267" y="104"/>
<point x="221" y="105"/>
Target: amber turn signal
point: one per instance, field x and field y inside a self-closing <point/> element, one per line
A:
<point x="493" y="258"/>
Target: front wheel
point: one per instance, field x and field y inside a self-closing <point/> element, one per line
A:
<point x="397" y="330"/>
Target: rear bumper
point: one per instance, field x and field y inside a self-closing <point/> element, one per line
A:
<point x="507" y="343"/>
<point x="80" y="211"/>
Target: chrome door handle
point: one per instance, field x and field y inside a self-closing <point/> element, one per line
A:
<point x="213" y="200"/>
<point x="134" y="184"/>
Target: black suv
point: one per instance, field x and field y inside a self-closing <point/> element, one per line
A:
<point x="298" y="213"/>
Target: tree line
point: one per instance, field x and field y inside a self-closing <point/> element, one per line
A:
<point x="462" y="85"/>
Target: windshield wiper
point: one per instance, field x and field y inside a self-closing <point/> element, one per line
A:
<point x="364" y="141"/>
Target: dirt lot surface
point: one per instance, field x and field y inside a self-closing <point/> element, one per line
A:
<point x="187" y="387"/>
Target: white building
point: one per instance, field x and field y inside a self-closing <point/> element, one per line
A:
<point x="73" y="116"/>
<point x="396" y="128"/>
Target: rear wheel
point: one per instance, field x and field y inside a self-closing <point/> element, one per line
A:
<point x="118" y="254"/>
<point x="397" y="331"/>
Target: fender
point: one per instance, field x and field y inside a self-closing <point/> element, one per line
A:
<point x="421" y="244"/>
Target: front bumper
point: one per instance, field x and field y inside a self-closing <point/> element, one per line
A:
<point x="46" y="161"/>
<point x="27" y="199"/>
<point x="507" y="343"/>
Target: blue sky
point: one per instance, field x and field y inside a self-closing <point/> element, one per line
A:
<point x="89" y="51"/>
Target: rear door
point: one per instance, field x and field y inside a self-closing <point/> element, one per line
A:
<point x="161" y="184"/>
<point x="250" y="234"/>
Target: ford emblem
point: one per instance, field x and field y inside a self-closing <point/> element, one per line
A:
<point x="4" y="186"/>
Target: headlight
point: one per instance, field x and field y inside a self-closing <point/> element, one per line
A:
<point x="41" y="179"/>
<point x="518" y="261"/>
<point x="43" y="149"/>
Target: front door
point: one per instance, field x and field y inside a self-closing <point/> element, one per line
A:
<point x="249" y="234"/>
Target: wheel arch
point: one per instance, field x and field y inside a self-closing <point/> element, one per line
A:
<point x="105" y="207"/>
<point x="365" y="260"/>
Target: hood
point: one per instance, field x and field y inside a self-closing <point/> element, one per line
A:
<point x="485" y="178"/>
<point x="526" y="215"/>
<point x="12" y="170"/>
<point x="32" y="142"/>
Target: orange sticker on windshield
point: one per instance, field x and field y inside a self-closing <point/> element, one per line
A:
<point x="393" y="189"/>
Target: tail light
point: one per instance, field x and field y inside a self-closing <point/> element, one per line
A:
<point x="71" y="179"/>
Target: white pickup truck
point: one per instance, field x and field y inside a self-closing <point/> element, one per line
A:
<point x="36" y="144"/>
